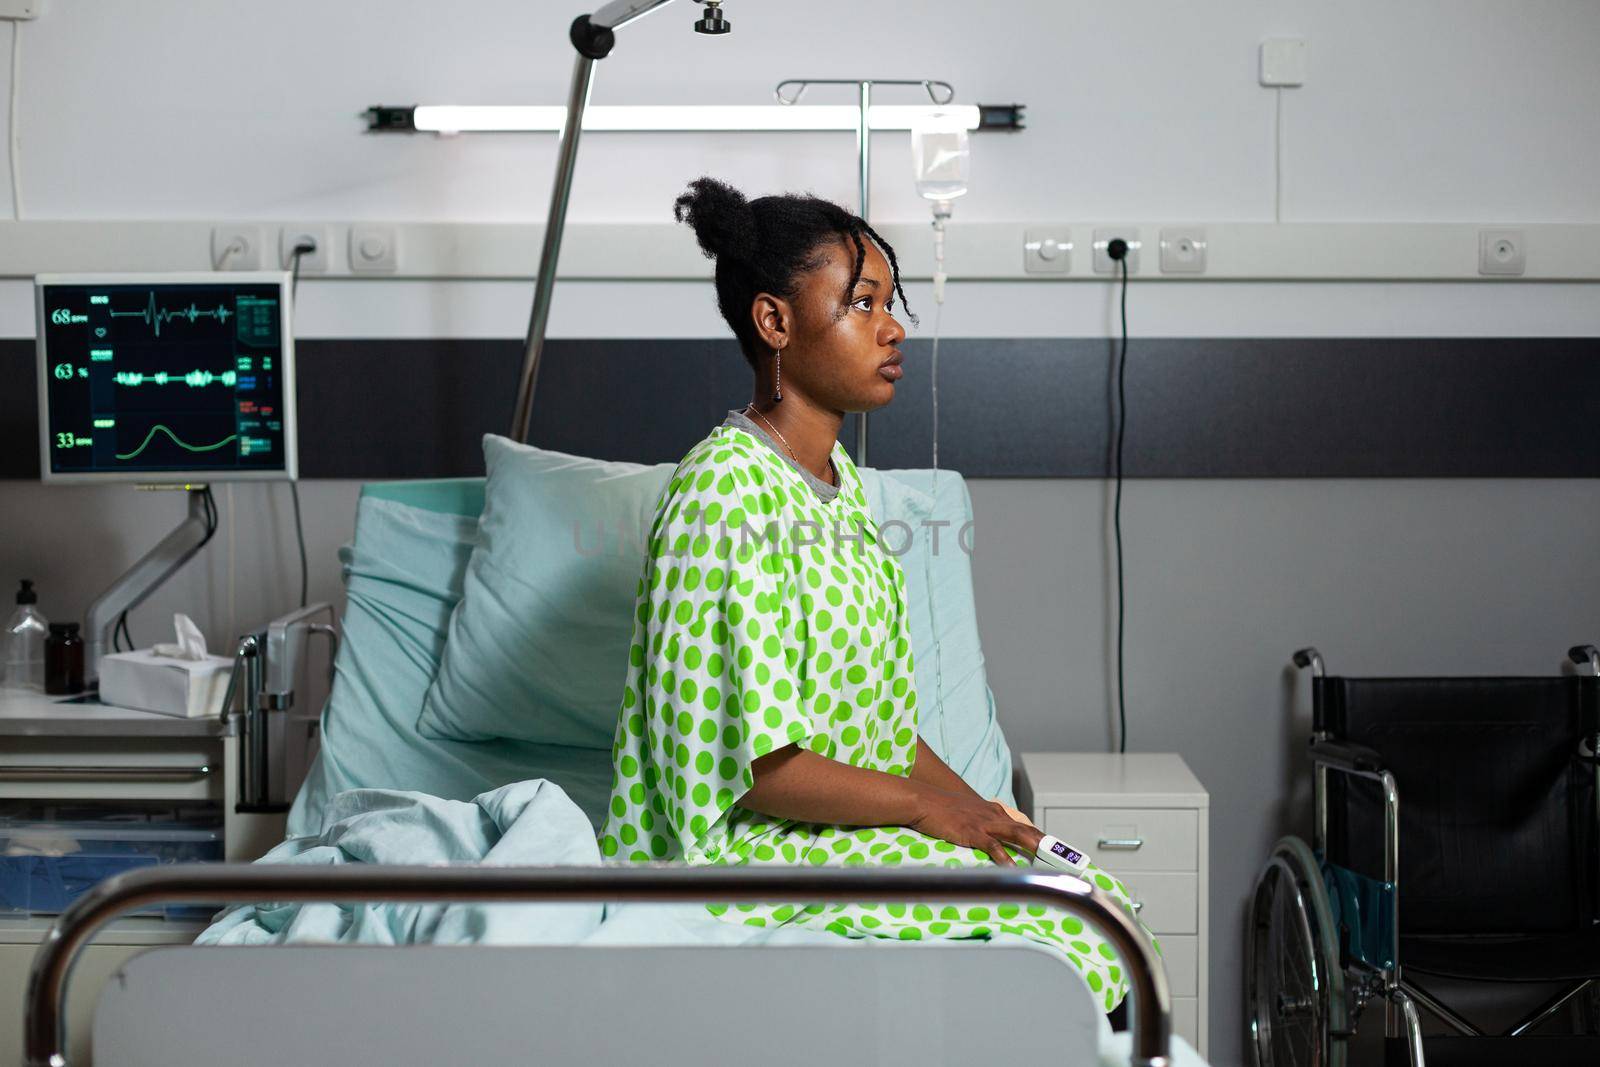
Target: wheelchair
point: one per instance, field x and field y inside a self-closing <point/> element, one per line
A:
<point x="1497" y="881"/>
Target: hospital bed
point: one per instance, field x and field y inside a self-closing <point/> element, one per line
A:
<point x="361" y="1004"/>
<point x="716" y="991"/>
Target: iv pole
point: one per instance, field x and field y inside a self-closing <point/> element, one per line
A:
<point x="864" y="161"/>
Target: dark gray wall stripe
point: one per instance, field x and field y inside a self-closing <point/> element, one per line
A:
<point x="1233" y="408"/>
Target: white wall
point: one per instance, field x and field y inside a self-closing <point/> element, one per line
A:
<point x="1433" y="110"/>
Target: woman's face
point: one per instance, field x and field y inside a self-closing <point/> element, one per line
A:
<point x="841" y="353"/>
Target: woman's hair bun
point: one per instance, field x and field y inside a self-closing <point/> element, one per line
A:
<point x="723" y="221"/>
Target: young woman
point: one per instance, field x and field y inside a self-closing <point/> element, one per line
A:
<point x="770" y="711"/>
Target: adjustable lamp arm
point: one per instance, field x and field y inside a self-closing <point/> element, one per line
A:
<point x="593" y="36"/>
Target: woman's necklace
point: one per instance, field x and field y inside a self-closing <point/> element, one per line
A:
<point x="831" y="471"/>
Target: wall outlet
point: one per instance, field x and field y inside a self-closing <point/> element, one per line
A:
<point x="1183" y="250"/>
<point x="236" y="248"/>
<point x="374" y="249"/>
<point x="312" y="262"/>
<point x="1283" y="62"/>
<point x="1502" y="252"/>
<point x="20" y="10"/>
<point x="1047" y="250"/>
<point x="1104" y="264"/>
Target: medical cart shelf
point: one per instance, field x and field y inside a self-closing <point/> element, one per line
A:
<point x="1145" y="817"/>
<point x="53" y="750"/>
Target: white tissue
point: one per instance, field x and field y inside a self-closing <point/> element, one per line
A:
<point x="191" y="642"/>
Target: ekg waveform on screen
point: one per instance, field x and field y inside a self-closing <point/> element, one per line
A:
<point x="180" y="442"/>
<point x="154" y="315"/>
<point x="195" y="379"/>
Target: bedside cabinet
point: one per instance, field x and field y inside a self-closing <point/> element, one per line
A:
<point x="1144" y="817"/>
<point x="84" y="754"/>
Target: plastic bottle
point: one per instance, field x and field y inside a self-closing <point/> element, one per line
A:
<point x="24" y="639"/>
<point x="63" y="659"/>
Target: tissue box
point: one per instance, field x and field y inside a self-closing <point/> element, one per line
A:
<point x="190" y="688"/>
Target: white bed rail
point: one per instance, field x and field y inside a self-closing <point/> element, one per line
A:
<point x="239" y="883"/>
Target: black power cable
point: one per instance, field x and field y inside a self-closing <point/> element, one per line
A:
<point x="1117" y="249"/>
<point x="300" y="536"/>
<point x="302" y="248"/>
<point x="120" y="631"/>
<point x="211" y="515"/>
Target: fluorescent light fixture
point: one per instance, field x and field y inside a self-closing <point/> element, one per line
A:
<point x="437" y="118"/>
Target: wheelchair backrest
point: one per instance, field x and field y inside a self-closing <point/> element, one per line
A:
<point x="1497" y="811"/>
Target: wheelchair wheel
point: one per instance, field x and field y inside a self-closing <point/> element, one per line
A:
<point x="1294" y="984"/>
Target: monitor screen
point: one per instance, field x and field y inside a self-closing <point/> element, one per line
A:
<point x="165" y="377"/>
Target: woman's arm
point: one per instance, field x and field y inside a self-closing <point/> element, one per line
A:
<point x="795" y="783"/>
<point x="934" y="771"/>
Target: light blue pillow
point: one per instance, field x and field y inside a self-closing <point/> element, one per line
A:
<point x="956" y="710"/>
<point x="538" y="648"/>
<point x="403" y="576"/>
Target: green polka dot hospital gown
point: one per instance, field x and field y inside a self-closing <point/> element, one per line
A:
<point x="767" y="617"/>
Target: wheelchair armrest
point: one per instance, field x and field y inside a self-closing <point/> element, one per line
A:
<point x="1363" y="762"/>
<point x="1351" y="759"/>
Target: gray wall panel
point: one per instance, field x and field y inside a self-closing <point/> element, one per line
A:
<point x="1009" y="408"/>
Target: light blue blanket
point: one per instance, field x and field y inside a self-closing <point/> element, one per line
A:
<point x="530" y="823"/>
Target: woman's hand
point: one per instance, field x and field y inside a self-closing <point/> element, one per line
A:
<point x="1014" y="813"/>
<point x="986" y="825"/>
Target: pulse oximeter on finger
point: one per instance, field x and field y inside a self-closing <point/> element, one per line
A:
<point x="1056" y="853"/>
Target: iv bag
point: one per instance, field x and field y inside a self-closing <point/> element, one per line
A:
<point x="941" y="155"/>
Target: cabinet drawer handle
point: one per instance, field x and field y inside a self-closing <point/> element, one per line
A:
<point x="103" y="774"/>
<point x="1121" y="844"/>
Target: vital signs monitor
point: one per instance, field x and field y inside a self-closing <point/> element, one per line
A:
<point x="165" y="377"/>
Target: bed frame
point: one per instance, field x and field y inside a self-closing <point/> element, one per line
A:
<point x="147" y="1015"/>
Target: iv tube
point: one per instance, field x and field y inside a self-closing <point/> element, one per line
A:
<point x="941" y="212"/>
<point x="941" y="158"/>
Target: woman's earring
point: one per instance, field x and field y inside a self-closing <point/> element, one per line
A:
<point x="777" y="374"/>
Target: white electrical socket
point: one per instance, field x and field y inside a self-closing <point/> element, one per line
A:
<point x="1183" y="250"/>
<point x="20" y="10"/>
<point x="1103" y="263"/>
<point x="1502" y="252"/>
<point x="236" y="248"/>
<point x="374" y="249"/>
<point x="1283" y="62"/>
<point x="1047" y="250"/>
<point x="312" y="262"/>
